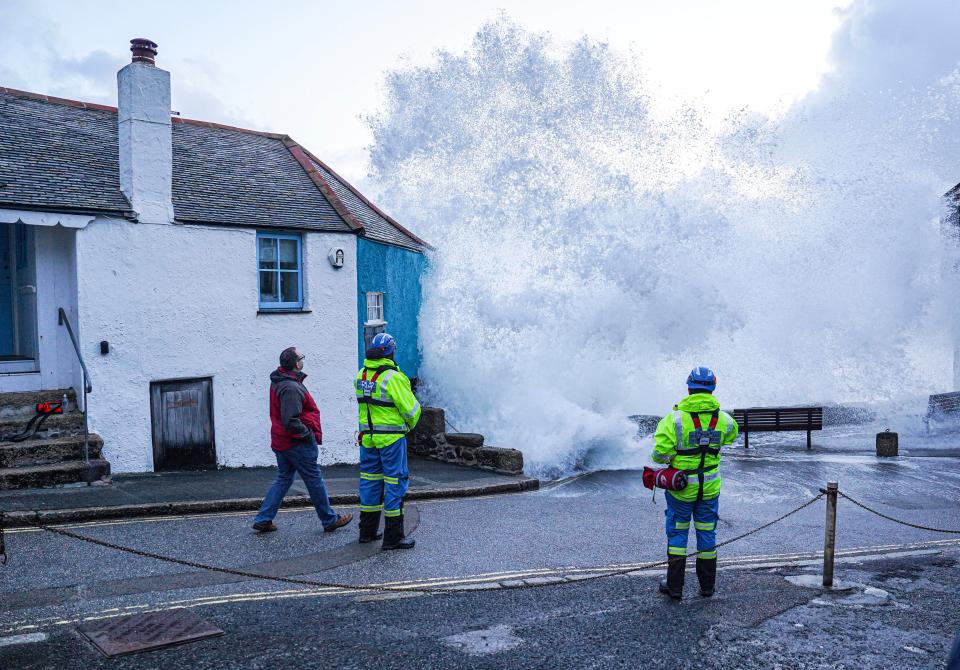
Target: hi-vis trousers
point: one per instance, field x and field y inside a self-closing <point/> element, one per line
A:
<point x="705" y="514"/>
<point x="384" y="478"/>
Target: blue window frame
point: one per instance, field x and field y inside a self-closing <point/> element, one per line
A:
<point x="280" y="270"/>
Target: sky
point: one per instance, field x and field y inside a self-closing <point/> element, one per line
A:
<point x="316" y="70"/>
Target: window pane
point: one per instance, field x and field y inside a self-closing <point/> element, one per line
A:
<point x="288" y="255"/>
<point x="268" y="287"/>
<point x="268" y="253"/>
<point x="374" y="306"/>
<point x="289" y="287"/>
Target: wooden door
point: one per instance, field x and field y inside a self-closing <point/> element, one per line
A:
<point x="182" y="414"/>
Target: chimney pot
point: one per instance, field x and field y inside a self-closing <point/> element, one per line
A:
<point x="144" y="51"/>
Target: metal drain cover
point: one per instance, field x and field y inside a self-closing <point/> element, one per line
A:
<point x="144" y="632"/>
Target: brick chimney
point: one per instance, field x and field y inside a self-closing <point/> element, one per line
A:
<point x="146" y="143"/>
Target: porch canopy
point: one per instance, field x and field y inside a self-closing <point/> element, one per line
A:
<point x="45" y="218"/>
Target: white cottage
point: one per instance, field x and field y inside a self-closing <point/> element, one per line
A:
<point x="184" y="256"/>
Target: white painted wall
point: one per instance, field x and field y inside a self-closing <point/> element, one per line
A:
<point x="179" y="301"/>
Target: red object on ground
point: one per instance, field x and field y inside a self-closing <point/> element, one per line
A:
<point x="49" y="408"/>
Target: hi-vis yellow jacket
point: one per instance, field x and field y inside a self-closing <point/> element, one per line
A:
<point x="388" y="408"/>
<point x="680" y="444"/>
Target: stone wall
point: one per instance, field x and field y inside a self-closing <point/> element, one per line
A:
<point x="430" y="440"/>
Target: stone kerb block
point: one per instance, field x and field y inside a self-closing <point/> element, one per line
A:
<point x="432" y="421"/>
<point x="430" y="439"/>
<point x="426" y="439"/>
<point x="467" y="440"/>
<point x="509" y="461"/>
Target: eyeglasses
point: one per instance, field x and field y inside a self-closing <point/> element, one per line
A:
<point x="301" y="357"/>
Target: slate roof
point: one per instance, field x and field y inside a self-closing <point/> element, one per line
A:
<point x="229" y="177"/>
<point x="58" y="154"/>
<point x="379" y="225"/>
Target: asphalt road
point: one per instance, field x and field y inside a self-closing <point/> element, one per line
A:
<point x="759" y="619"/>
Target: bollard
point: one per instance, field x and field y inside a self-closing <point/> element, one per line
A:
<point x="887" y="443"/>
<point x="830" y="534"/>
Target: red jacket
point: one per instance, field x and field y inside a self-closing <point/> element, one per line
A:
<point x="294" y="416"/>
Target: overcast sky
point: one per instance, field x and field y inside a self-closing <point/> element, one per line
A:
<point x="314" y="69"/>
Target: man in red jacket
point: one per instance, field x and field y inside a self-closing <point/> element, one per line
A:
<point x="295" y="437"/>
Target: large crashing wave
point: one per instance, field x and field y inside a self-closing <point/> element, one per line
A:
<point x="589" y="252"/>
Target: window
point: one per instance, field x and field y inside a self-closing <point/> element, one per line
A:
<point x="374" y="307"/>
<point x="280" y="266"/>
<point x="374" y="323"/>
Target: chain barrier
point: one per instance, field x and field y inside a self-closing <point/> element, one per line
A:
<point x="900" y="521"/>
<point x="374" y="587"/>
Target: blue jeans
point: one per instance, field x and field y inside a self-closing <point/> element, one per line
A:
<point x="705" y="514"/>
<point x="301" y="458"/>
<point x="953" y="663"/>
<point x="384" y="478"/>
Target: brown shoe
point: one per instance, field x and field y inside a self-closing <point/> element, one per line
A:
<point x="341" y="521"/>
<point x="265" y="526"/>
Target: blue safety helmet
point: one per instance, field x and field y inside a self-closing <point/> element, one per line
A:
<point x="702" y="378"/>
<point x="385" y="342"/>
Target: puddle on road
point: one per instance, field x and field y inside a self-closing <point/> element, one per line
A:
<point x="486" y="641"/>
<point x="843" y="593"/>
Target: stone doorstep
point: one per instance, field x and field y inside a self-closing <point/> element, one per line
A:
<point x="41" y="476"/>
<point x="47" y="451"/>
<point x="15" y="403"/>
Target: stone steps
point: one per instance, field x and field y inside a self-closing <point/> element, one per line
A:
<point x="58" y="474"/>
<point x="47" y="451"/>
<point x="55" y="455"/>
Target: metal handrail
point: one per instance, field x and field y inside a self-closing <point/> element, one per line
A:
<point x="87" y="386"/>
<point x="64" y="321"/>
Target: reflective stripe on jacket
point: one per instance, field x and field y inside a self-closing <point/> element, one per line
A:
<point x="676" y="444"/>
<point x="387" y="406"/>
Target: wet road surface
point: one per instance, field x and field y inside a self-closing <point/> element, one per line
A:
<point x="596" y="519"/>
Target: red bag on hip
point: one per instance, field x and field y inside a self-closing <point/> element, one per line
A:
<point x="670" y="479"/>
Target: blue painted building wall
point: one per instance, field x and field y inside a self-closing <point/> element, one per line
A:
<point x="396" y="273"/>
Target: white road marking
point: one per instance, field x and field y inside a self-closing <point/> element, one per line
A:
<point x="570" y="574"/>
<point x="29" y="638"/>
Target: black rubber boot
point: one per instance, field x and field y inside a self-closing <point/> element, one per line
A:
<point x="369" y="525"/>
<point x="673" y="585"/>
<point x="707" y="574"/>
<point x="393" y="537"/>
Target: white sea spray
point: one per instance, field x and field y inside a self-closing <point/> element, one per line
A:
<point x="591" y="251"/>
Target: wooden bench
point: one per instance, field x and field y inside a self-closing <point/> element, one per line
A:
<point x="943" y="407"/>
<point x="777" y="419"/>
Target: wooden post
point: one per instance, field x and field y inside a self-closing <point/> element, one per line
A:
<point x="830" y="534"/>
